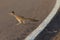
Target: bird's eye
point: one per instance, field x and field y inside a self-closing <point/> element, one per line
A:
<point x="13" y="12"/>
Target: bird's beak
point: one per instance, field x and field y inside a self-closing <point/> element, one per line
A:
<point x="10" y="13"/>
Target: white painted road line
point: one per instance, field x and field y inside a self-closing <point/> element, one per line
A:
<point x="41" y="27"/>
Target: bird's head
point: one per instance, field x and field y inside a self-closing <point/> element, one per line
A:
<point x="12" y="13"/>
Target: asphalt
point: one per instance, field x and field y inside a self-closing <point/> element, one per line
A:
<point x="52" y="31"/>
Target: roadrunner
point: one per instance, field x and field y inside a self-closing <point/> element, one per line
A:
<point x="22" y="19"/>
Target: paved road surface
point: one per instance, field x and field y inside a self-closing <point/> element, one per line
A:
<point x="52" y="31"/>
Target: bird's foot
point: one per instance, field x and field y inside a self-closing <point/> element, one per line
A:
<point x="17" y="23"/>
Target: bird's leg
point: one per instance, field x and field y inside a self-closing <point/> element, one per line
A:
<point x="19" y="22"/>
<point x="23" y="22"/>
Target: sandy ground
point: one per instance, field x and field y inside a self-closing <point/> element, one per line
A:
<point x="38" y="9"/>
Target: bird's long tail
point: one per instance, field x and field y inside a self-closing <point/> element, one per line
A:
<point x="33" y="20"/>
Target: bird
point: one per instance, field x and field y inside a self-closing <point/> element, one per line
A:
<point x="22" y="19"/>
